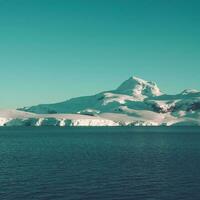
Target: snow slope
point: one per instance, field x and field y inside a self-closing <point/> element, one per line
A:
<point x="133" y="90"/>
<point x="134" y="102"/>
<point x="20" y="118"/>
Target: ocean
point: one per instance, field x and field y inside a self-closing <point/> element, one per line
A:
<point x="93" y="163"/>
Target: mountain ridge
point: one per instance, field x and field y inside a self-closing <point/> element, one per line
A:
<point x="134" y="102"/>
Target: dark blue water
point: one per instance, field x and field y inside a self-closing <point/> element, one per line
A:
<point x="99" y="163"/>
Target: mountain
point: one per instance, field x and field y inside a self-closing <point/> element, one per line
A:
<point x="132" y="90"/>
<point x="134" y="102"/>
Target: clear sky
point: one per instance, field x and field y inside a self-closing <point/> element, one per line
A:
<point x="51" y="50"/>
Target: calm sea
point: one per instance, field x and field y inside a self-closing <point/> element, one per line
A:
<point x="50" y="163"/>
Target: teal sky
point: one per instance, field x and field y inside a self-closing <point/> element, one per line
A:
<point x="51" y="50"/>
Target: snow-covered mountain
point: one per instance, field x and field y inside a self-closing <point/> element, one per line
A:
<point x="134" y="102"/>
<point x="133" y="90"/>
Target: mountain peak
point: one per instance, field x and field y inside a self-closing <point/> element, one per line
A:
<point x="137" y="79"/>
<point x="189" y="91"/>
<point x="139" y="88"/>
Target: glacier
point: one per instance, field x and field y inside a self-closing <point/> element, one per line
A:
<point x="135" y="102"/>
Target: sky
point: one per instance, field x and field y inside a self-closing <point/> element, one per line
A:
<point x="52" y="50"/>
